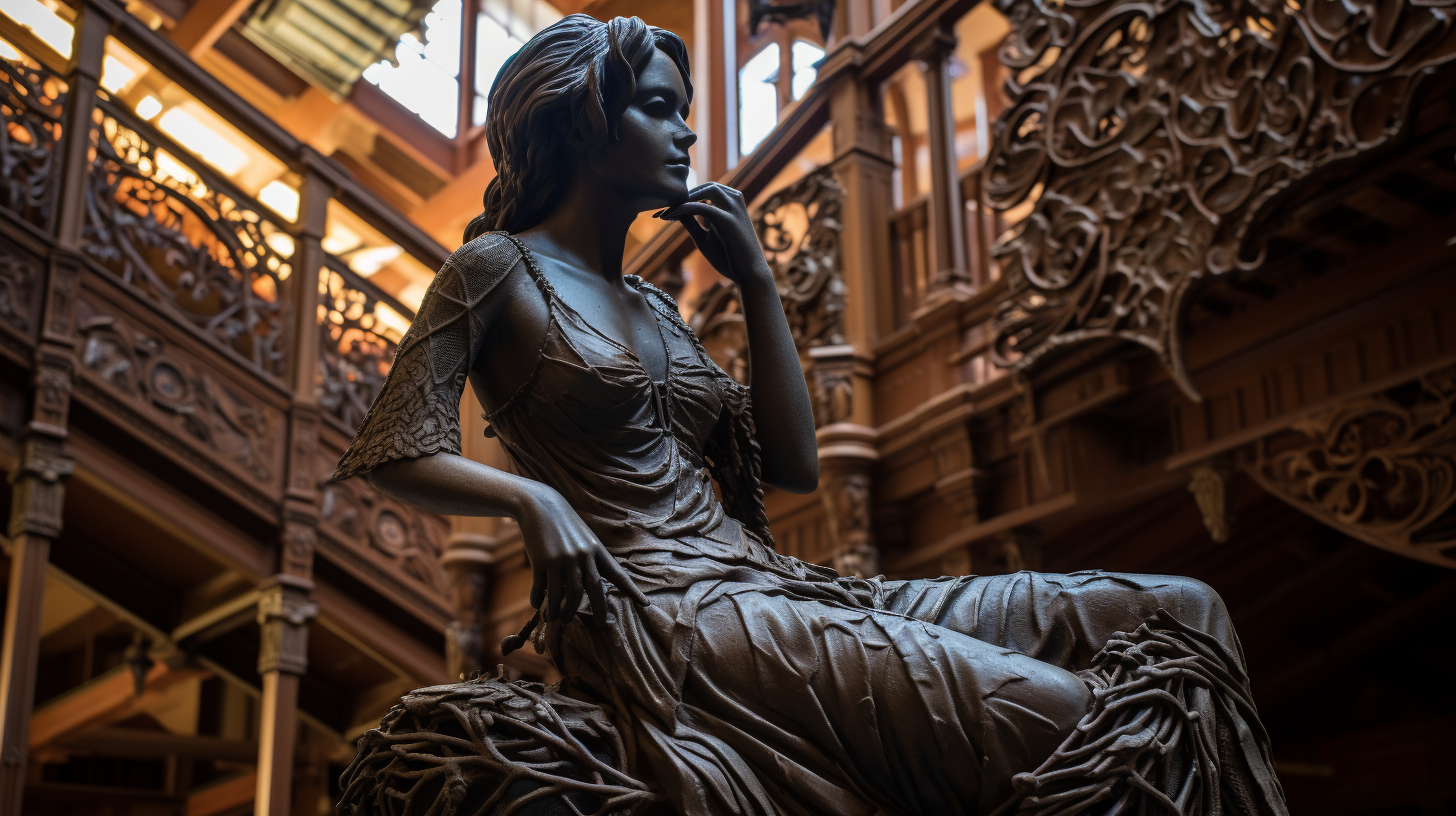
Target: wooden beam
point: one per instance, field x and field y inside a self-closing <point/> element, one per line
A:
<point x="108" y="699"/>
<point x="207" y="20"/>
<point x="136" y="743"/>
<point x="224" y="797"/>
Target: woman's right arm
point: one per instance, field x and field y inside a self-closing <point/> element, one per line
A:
<point x="567" y="560"/>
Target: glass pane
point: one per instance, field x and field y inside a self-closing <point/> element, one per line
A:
<point x="425" y="81"/>
<point x="493" y="45"/>
<point x="805" y="54"/>
<point x="758" y="99"/>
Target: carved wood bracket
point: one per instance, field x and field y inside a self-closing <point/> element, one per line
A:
<point x="284" y="612"/>
<point x="1153" y="138"/>
<point x="1380" y="469"/>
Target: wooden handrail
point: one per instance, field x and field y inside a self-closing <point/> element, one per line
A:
<point x="175" y="63"/>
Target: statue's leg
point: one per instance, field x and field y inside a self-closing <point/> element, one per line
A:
<point x="1063" y="619"/>
<point x="822" y="698"/>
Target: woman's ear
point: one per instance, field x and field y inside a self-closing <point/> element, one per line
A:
<point x="572" y="134"/>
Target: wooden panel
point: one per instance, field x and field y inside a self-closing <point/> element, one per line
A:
<point x="173" y="393"/>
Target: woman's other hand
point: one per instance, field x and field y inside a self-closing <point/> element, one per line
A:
<point x="725" y="235"/>
<point x="568" y="561"/>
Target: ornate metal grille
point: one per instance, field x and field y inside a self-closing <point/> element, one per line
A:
<point x="359" y="332"/>
<point x="31" y="101"/>
<point x="172" y="229"/>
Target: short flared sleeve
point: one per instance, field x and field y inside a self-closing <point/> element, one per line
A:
<point x="417" y="410"/>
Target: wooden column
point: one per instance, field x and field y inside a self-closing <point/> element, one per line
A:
<point x="715" y="87"/>
<point x="284" y="607"/>
<point x="284" y="612"/>
<point x="947" y="215"/>
<point x="39" y="480"/>
<point x="468" y="559"/>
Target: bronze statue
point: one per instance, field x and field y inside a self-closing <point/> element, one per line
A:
<point x="706" y="674"/>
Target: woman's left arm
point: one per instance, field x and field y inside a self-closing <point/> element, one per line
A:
<point x="781" y="408"/>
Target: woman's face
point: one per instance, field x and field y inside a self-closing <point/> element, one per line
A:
<point x="648" y="164"/>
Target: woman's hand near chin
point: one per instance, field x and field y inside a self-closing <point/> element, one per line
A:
<point x="725" y="236"/>
<point x="781" y="410"/>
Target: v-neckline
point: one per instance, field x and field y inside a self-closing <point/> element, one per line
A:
<point x="632" y="353"/>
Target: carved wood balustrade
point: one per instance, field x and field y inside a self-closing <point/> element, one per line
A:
<point x="209" y="328"/>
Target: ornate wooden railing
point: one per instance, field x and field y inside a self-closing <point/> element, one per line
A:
<point x="208" y="326"/>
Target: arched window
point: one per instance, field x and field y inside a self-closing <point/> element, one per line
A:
<point x="758" y="98"/>
<point x="780" y="73"/>
<point x="806" y="56"/>
<point x="428" y="75"/>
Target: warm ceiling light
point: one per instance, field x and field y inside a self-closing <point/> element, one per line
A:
<point x="115" y="75"/>
<point x="339" y="240"/>
<point x="8" y="51"/>
<point x="208" y="144"/>
<point x="282" y="243"/>
<point x="366" y="262"/>
<point x="47" y="26"/>
<point x="148" y="107"/>
<point x="280" y="198"/>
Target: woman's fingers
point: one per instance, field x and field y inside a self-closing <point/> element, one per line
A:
<point x="574" y="590"/>
<point x="538" y="585"/>
<point x="596" y="592"/>
<point x="720" y="194"/>
<point x="553" y="594"/>
<point x="613" y="572"/>
<point x="683" y="212"/>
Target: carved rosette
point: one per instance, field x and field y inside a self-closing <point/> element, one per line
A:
<point x="405" y="542"/>
<point x="1152" y="138"/>
<point x="143" y="373"/>
<point x="1381" y="469"/>
<point x="167" y="226"/>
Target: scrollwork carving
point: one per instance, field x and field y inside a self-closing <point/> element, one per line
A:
<point x="1381" y="469"/>
<point x="168" y="227"/>
<point x="31" y="102"/>
<point x="799" y="228"/>
<point x="1153" y="138"/>
<point x="147" y="374"/>
<point x="359" y="331"/>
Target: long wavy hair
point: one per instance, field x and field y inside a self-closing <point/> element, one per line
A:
<point x="577" y="74"/>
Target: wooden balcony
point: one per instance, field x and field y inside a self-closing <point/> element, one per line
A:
<point x="210" y="330"/>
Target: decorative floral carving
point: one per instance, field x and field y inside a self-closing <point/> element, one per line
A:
<point x="359" y="331"/>
<point x="1153" y="138"/>
<point x="404" y="541"/>
<point x="846" y="498"/>
<point x="20" y="276"/>
<point x="1381" y="469"/>
<point x="799" y="228"/>
<point x="169" y="227"/>
<point x="31" y="102"/>
<point x="145" y="373"/>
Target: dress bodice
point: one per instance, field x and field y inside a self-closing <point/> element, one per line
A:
<point x="627" y="452"/>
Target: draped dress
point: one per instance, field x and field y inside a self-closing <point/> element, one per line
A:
<point x="758" y="684"/>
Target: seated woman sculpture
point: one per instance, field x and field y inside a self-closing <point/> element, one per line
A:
<point x="744" y="681"/>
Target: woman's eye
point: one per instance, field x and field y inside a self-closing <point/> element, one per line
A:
<point x="657" y="107"/>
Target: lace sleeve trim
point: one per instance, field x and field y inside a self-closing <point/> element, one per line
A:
<point x="417" y="411"/>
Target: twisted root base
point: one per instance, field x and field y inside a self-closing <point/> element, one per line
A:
<point x="491" y="748"/>
<point x="1172" y="732"/>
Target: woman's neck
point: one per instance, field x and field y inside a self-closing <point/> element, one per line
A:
<point x="588" y="229"/>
